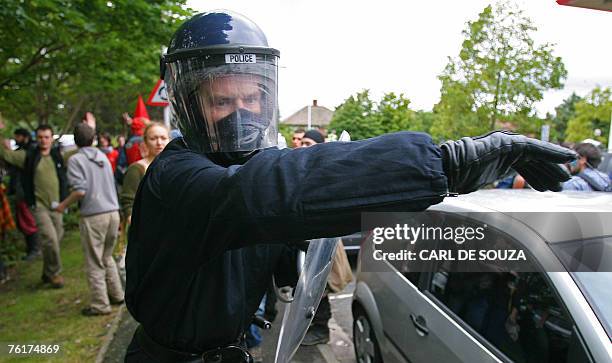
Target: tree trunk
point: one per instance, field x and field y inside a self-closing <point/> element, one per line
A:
<point x="495" y="102"/>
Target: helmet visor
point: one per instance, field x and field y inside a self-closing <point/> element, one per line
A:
<point x="225" y="102"/>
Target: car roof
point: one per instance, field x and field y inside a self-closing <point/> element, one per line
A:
<point x="587" y="214"/>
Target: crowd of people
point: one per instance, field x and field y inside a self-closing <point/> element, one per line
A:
<point x="105" y="178"/>
<point x="45" y="180"/>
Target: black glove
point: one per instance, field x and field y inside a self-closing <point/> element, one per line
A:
<point x="473" y="162"/>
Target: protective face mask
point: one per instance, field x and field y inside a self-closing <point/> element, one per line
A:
<point x="242" y="130"/>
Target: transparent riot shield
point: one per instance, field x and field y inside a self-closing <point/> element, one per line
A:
<point x="306" y="297"/>
<point x="308" y="292"/>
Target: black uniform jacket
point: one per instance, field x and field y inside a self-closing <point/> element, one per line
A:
<point x="194" y="273"/>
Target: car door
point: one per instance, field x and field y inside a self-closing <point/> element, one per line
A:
<point x="396" y="292"/>
<point x="430" y="330"/>
<point x="497" y="314"/>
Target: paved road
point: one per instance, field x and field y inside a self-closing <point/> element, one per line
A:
<point x="340" y="347"/>
<point x="339" y="350"/>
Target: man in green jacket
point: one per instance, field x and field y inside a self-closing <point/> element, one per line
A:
<point x="45" y="185"/>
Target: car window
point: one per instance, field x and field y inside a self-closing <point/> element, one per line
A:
<point x="591" y="262"/>
<point x="411" y="270"/>
<point x="516" y="312"/>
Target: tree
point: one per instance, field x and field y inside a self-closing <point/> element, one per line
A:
<point x="59" y="58"/>
<point x="499" y="72"/>
<point x="287" y="132"/>
<point x="364" y="118"/>
<point x="563" y="113"/>
<point x="423" y="121"/>
<point x="593" y="112"/>
<point x="393" y="113"/>
<point x="355" y="116"/>
<point x="454" y="115"/>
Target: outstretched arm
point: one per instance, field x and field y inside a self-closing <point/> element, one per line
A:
<point x="290" y="195"/>
<point x="13" y="157"/>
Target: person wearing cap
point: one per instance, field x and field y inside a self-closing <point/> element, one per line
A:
<point x="312" y="137"/>
<point x="44" y="184"/>
<point x="90" y="176"/>
<point x="216" y="211"/>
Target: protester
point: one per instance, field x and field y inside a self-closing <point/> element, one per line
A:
<point x="120" y="141"/>
<point x="105" y="145"/>
<point x="215" y="210"/>
<point x="296" y="141"/>
<point x="45" y="184"/>
<point x="339" y="277"/>
<point x="23" y="138"/>
<point x="25" y="220"/>
<point x="156" y="137"/>
<point x="137" y="125"/>
<point x="586" y="177"/>
<point x="121" y="166"/>
<point x="312" y="137"/>
<point x="91" y="177"/>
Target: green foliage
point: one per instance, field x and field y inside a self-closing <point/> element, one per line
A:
<point x="364" y="118"/>
<point x="11" y="247"/>
<point x="33" y="312"/>
<point x="11" y="241"/>
<point x="71" y="217"/>
<point x="393" y="113"/>
<point x="454" y="115"/>
<point x="423" y="121"/>
<point x="287" y="133"/>
<point x="499" y="74"/>
<point x="355" y="116"/>
<point x="563" y="113"/>
<point x="60" y="58"/>
<point x="593" y="112"/>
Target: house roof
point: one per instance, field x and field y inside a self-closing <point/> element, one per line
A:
<point x="320" y="116"/>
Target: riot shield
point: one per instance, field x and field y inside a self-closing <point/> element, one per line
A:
<point x="306" y="297"/>
<point x="307" y="293"/>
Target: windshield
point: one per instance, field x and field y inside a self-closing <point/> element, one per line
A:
<point x="594" y="286"/>
<point x="590" y="264"/>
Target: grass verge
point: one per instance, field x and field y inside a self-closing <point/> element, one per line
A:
<point x="33" y="313"/>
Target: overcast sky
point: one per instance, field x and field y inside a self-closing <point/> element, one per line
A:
<point x="334" y="48"/>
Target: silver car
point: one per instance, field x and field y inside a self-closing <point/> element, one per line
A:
<point x="444" y="315"/>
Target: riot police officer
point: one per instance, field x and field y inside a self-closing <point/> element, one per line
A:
<point x="216" y="208"/>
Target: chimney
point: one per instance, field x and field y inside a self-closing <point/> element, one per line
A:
<point x="314" y="103"/>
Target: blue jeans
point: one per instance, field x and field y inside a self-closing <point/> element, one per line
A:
<point x="253" y="335"/>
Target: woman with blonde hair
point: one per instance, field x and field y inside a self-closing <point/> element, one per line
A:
<point x="155" y="137"/>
